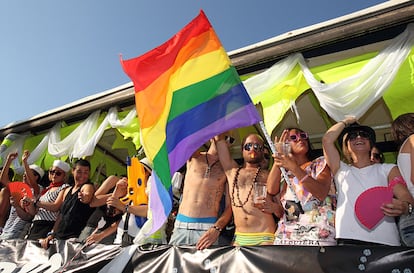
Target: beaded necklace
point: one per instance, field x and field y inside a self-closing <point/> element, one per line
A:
<point x="209" y="167"/>
<point x="236" y="186"/>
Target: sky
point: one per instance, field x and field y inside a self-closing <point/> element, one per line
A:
<point x="53" y="52"/>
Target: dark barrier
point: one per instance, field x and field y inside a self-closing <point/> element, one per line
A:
<point x="25" y="256"/>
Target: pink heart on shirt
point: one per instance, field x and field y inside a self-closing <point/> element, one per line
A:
<point x="368" y="205"/>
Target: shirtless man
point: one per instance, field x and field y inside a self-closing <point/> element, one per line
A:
<point x="255" y="224"/>
<point x="198" y="222"/>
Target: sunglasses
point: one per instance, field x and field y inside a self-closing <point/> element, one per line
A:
<point x="229" y="139"/>
<point x="255" y="146"/>
<point x="296" y="137"/>
<point x="55" y="172"/>
<point x="355" y="134"/>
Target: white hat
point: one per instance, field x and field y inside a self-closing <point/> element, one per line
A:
<point x="37" y="169"/>
<point x="147" y="164"/>
<point x="61" y="165"/>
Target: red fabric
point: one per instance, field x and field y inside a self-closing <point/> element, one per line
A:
<point x="51" y="185"/>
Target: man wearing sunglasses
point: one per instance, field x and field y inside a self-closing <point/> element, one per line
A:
<point x="198" y="221"/>
<point x="254" y="224"/>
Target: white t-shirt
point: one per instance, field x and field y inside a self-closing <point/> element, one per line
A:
<point x="404" y="164"/>
<point x="350" y="183"/>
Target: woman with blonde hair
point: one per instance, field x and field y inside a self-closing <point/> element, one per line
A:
<point x="356" y="177"/>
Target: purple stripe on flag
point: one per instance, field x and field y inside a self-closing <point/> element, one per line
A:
<point x="242" y="117"/>
<point x="160" y="202"/>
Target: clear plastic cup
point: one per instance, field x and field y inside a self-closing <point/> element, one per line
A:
<point x="260" y="191"/>
<point x="282" y="148"/>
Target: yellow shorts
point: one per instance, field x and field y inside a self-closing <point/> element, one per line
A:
<point x="253" y="239"/>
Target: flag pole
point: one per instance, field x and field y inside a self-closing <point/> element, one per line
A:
<point x="284" y="173"/>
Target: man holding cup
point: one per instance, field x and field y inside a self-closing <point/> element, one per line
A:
<point x="254" y="221"/>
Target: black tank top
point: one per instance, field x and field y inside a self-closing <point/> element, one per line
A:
<point x="74" y="215"/>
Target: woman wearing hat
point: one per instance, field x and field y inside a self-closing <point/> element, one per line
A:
<point x="18" y="219"/>
<point x="44" y="219"/>
<point x="357" y="176"/>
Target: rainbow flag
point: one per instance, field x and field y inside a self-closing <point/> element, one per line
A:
<point x="186" y="92"/>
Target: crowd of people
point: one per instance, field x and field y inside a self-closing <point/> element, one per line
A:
<point x="295" y="198"/>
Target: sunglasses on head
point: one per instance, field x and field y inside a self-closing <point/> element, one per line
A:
<point x="296" y="137"/>
<point x="353" y="135"/>
<point x="229" y="139"/>
<point x="255" y="146"/>
<point x="55" y="172"/>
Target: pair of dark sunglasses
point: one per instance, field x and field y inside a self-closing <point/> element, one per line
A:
<point x="296" y="137"/>
<point x="255" y="146"/>
<point x="229" y="139"/>
<point x="55" y="172"/>
<point x="353" y="135"/>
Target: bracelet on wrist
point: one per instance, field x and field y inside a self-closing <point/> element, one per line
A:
<point x="409" y="208"/>
<point x="51" y="233"/>
<point x="217" y="228"/>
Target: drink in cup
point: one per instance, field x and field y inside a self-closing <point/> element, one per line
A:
<point x="260" y="192"/>
<point x="282" y="148"/>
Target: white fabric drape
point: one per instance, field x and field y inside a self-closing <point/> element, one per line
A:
<point x="356" y="94"/>
<point x="350" y="96"/>
<point x="79" y="143"/>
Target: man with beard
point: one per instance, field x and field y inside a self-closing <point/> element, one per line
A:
<point x="255" y="224"/>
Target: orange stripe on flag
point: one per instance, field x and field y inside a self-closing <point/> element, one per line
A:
<point x="152" y="99"/>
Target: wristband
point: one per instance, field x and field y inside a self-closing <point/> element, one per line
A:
<point x="217" y="228"/>
<point x="345" y="124"/>
<point x="51" y="233"/>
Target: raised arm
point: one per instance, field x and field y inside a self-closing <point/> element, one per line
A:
<point x="330" y="152"/>
<point x="223" y="151"/>
<point x="4" y="176"/>
<point x="30" y="177"/>
<point x="273" y="180"/>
